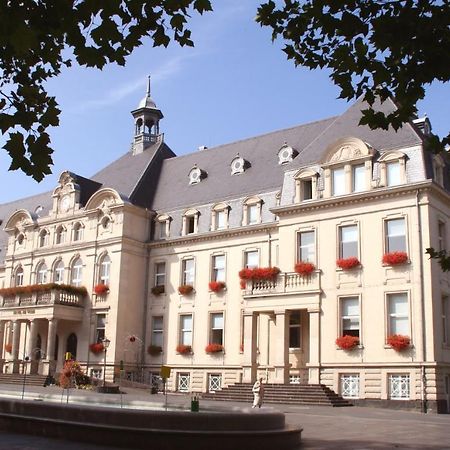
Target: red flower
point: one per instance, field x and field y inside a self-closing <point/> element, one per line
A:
<point x="214" y="348"/>
<point x="184" y="349"/>
<point x="243" y="284"/>
<point x="347" y="342"/>
<point x="8" y="347"/>
<point x="394" y="258"/>
<point x="259" y="273"/>
<point x="348" y="263"/>
<point x="305" y="268"/>
<point x="97" y="347"/>
<point x="398" y="342"/>
<point x="101" y="289"/>
<point x="185" y="289"/>
<point x="216" y="286"/>
<point x="154" y="350"/>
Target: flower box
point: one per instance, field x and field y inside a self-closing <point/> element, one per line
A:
<point x="348" y="263"/>
<point x="395" y="258"/>
<point x="101" y="289"/>
<point x="154" y="350"/>
<point x="97" y="347"/>
<point x="185" y="289"/>
<point x="304" y="268"/>
<point x="158" y="290"/>
<point x="259" y="273"/>
<point x="347" y="342"/>
<point x="184" y="349"/>
<point x="398" y="342"/>
<point x="216" y="286"/>
<point x="47" y="287"/>
<point x="214" y="348"/>
<point x="8" y="348"/>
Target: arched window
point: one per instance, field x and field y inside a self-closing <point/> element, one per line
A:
<point x="58" y="276"/>
<point x="77" y="232"/>
<point x="60" y="235"/>
<point x="77" y="272"/>
<point x="41" y="273"/>
<point x="43" y="238"/>
<point x="18" y="279"/>
<point x="71" y="345"/>
<point x="105" y="269"/>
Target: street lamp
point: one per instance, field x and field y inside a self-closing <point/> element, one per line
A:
<point x="106" y="343"/>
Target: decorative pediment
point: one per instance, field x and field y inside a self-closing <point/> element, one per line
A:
<point x="66" y="184"/>
<point x="220" y="206"/>
<point x="19" y="220"/>
<point x="191" y="212"/>
<point x="391" y="156"/>
<point x="306" y="173"/>
<point x="347" y="149"/>
<point x="103" y="200"/>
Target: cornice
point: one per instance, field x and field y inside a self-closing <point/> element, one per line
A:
<point x="376" y="194"/>
<point x="214" y="235"/>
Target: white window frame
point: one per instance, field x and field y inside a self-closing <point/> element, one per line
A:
<point x="399" y="386"/>
<point x="256" y="204"/>
<point x="392" y="157"/>
<point x="188" y="216"/>
<point x="100" y="327"/>
<point x="388" y="247"/>
<point x="58" y="272"/>
<point x="350" y="385"/>
<point x="158" y="331"/>
<point x="214" y="382"/>
<point x="390" y="316"/>
<point x="246" y="253"/>
<point x="160" y="276"/>
<point x="60" y="235"/>
<point x="19" y="276"/>
<point x="310" y="248"/>
<point x="43" y="238"/>
<point x="334" y="181"/>
<point x="356" y="188"/>
<point x="186" y="335"/>
<point x="78" y="232"/>
<point x="341" y="243"/>
<point x="214" y="330"/>
<point x="183" y="381"/>
<point x="187" y="274"/>
<point x="76" y="272"/>
<point x="349" y="317"/>
<point x="305" y="176"/>
<point x="41" y="273"/>
<point x="105" y="270"/>
<point x="163" y="226"/>
<point x="218" y="272"/>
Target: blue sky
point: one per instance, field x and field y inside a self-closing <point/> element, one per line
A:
<point x="234" y="84"/>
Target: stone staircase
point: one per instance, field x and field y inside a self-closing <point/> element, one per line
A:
<point x="292" y="394"/>
<point x="17" y="378"/>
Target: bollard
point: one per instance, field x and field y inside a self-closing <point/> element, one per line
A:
<point x="195" y="404"/>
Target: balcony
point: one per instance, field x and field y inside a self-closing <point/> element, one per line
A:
<point x="286" y="283"/>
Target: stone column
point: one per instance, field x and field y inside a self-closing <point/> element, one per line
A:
<point x="2" y="344"/>
<point x="52" y="324"/>
<point x="250" y="338"/>
<point x="281" y="347"/>
<point x="314" y="345"/>
<point x="15" y="346"/>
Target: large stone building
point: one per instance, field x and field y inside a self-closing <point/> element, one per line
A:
<point x="151" y="222"/>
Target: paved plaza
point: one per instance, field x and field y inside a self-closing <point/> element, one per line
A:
<point x="323" y="427"/>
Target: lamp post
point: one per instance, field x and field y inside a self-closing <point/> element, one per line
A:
<point x="106" y="342"/>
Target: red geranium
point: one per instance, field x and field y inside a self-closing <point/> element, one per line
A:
<point x="243" y="284"/>
<point x="305" y="268"/>
<point x="394" y="258"/>
<point x="101" y="289"/>
<point x="97" y="347"/>
<point x="184" y="349"/>
<point x="348" y="263"/>
<point x="259" y="273"/>
<point x="214" y="348"/>
<point x="347" y="342"/>
<point x="216" y="286"/>
<point x="185" y="289"/>
<point x="398" y="342"/>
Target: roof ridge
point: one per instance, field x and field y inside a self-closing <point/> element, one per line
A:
<point x="25" y="198"/>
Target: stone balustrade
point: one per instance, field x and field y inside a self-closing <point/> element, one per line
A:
<point x="53" y="297"/>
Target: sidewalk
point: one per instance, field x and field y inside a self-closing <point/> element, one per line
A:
<point x="323" y="427"/>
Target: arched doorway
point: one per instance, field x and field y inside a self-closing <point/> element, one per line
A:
<point x="71" y="345"/>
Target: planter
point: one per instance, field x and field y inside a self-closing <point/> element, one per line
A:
<point x="347" y="342"/>
<point x="216" y="286"/>
<point x="158" y="290"/>
<point x="214" y="348"/>
<point x="101" y="289"/>
<point x="395" y="258"/>
<point x="154" y="350"/>
<point x="34" y="288"/>
<point x="185" y="289"/>
<point x="97" y="347"/>
<point x="348" y="263"/>
<point x="399" y="342"/>
<point x="304" y="268"/>
<point x="259" y="273"/>
<point x="184" y="349"/>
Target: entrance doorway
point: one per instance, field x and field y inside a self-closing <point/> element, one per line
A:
<point x="71" y="345"/>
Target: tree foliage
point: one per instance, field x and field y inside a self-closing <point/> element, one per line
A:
<point x="373" y="48"/>
<point x="40" y="37"/>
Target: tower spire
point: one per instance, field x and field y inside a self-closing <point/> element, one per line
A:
<point x="148" y="86"/>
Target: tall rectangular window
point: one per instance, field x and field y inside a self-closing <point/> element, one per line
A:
<point x="306" y="246"/>
<point x="188" y="268"/>
<point x="221" y="219"/>
<point x="445" y="320"/>
<point x="395" y="235"/>
<point x="157" y="331"/>
<point x="186" y="329"/>
<point x="348" y="241"/>
<point x="162" y="229"/>
<point x="393" y="173"/>
<point x="100" y="327"/>
<point x="216" y="332"/>
<point x="442" y="236"/>
<point x="251" y="259"/>
<point x="398" y="322"/>
<point x="190" y="224"/>
<point x="338" y="180"/>
<point x="359" y="178"/>
<point x="350" y="316"/>
<point x="307" y="192"/>
<point x="252" y="214"/>
<point x="295" y="333"/>
<point x="160" y="274"/>
<point x="218" y="269"/>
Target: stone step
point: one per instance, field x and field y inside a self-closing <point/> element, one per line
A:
<point x="15" y="378"/>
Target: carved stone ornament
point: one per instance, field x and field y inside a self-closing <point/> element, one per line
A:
<point x="346" y="152"/>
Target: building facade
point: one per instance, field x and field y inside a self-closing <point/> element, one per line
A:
<point x="298" y="256"/>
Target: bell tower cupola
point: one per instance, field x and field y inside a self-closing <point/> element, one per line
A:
<point x="146" y="123"/>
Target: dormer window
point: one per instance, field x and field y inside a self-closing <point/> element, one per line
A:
<point x="237" y="165"/>
<point x="219" y="216"/>
<point x="338" y="181"/>
<point x="305" y="185"/>
<point x="162" y="226"/>
<point x="286" y="154"/>
<point x="196" y="175"/>
<point x="359" y="178"/>
<point x="392" y="169"/>
<point x="190" y="222"/>
<point x="252" y="211"/>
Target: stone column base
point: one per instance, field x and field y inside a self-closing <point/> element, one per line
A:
<point x="248" y="374"/>
<point x="281" y="375"/>
<point x="48" y="367"/>
<point x="313" y="375"/>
